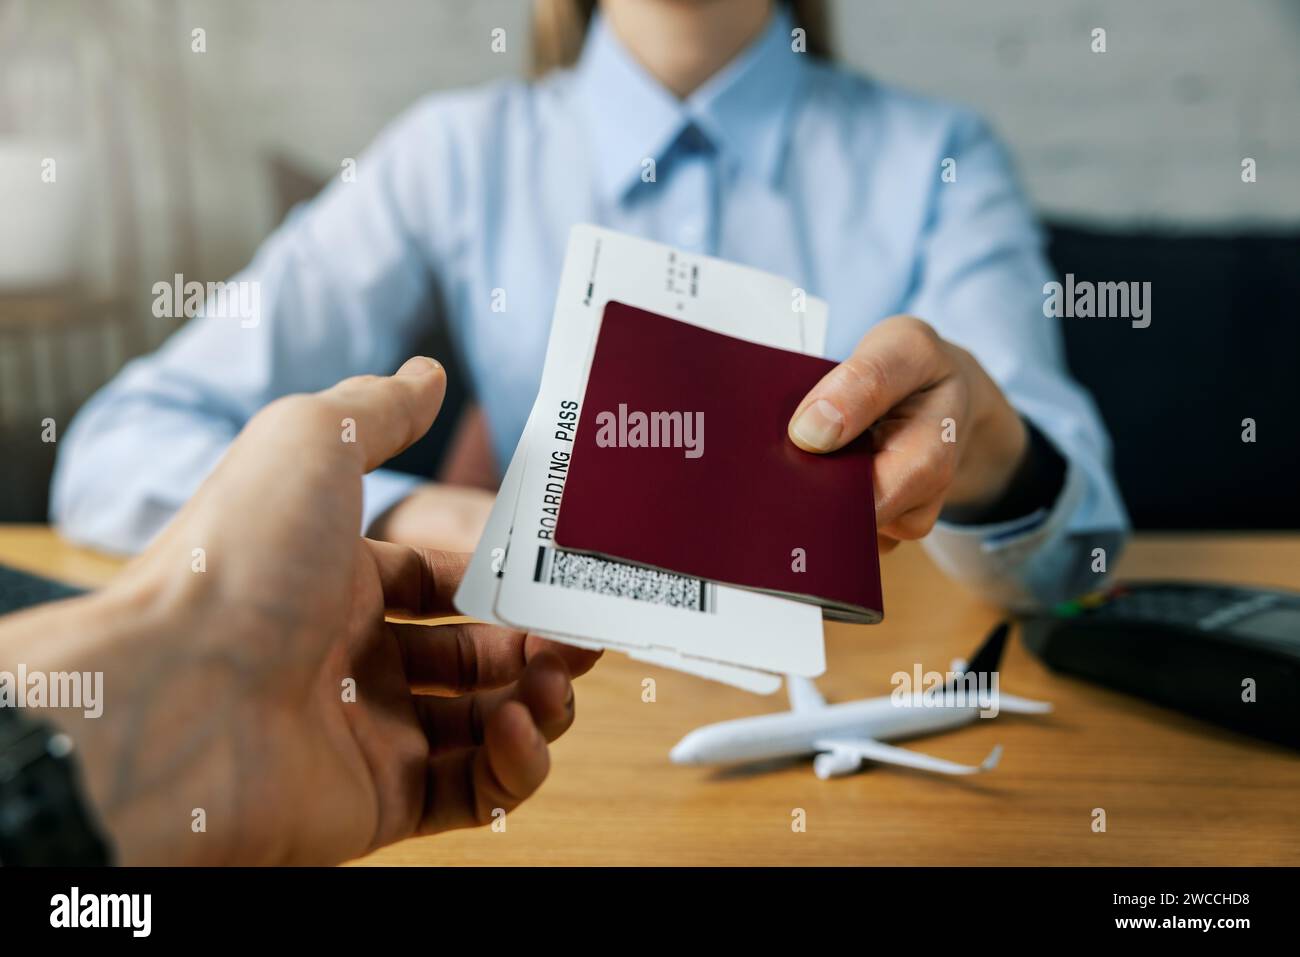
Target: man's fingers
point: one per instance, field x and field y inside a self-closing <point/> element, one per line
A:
<point x="896" y="358"/>
<point x="460" y="657"/>
<point x="577" y="660"/>
<point x="421" y="583"/>
<point x="469" y="788"/>
<point x="386" y="414"/>
<point x="470" y="656"/>
<point x="418" y="582"/>
<point x="544" y="689"/>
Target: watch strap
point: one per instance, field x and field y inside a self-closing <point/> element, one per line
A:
<point x="43" y="817"/>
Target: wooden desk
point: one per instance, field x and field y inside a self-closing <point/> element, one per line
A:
<point x="1175" y="791"/>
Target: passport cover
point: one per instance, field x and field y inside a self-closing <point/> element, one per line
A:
<point x="717" y="491"/>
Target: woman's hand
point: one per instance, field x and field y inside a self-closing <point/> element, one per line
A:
<point x="258" y="707"/>
<point x="943" y="433"/>
<point x="441" y="516"/>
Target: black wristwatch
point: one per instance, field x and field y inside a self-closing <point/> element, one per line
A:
<point x="43" y="817"/>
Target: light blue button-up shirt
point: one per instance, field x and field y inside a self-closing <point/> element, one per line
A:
<point x="460" y="211"/>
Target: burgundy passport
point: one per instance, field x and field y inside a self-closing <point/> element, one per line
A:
<point x="681" y="462"/>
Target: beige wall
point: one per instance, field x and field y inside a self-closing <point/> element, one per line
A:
<point x="1151" y="131"/>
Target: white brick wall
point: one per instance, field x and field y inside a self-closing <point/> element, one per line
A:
<point x="1152" y="131"/>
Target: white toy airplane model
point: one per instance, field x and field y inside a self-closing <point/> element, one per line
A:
<point x="842" y="736"/>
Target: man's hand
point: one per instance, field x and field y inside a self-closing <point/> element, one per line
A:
<point x="942" y="430"/>
<point x="258" y="707"/>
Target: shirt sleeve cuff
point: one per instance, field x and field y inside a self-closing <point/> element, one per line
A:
<point x="382" y="489"/>
<point x="1008" y="561"/>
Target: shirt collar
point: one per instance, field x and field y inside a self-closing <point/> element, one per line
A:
<point x="744" y="109"/>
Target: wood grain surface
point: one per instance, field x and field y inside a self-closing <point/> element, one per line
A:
<point x="1175" y="790"/>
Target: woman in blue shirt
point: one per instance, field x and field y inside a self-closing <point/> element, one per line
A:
<point x="901" y="211"/>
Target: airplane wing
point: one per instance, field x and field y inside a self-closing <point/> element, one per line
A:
<point x="1014" y="704"/>
<point x="803" y="694"/>
<point x="843" y="755"/>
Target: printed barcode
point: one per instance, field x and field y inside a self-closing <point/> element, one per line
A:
<point x="588" y="573"/>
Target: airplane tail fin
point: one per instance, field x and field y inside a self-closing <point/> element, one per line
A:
<point x="986" y="658"/>
<point x="986" y="661"/>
